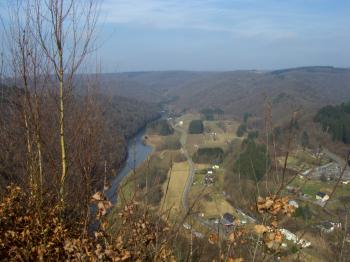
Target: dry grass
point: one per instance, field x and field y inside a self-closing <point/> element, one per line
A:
<point x="319" y="254"/>
<point x="154" y="140"/>
<point x="213" y="203"/>
<point x="199" y="166"/>
<point x="223" y="136"/>
<point x="300" y="160"/>
<point x="178" y="177"/>
<point x="217" y="207"/>
<point x="194" y="141"/>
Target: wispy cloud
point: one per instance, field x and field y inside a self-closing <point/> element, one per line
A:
<point x="196" y="14"/>
<point x="226" y="34"/>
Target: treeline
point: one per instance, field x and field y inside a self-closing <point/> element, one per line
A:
<point x="336" y="121"/>
<point x="124" y="118"/>
<point x="253" y="162"/>
<point x="211" y="113"/>
<point x="213" y="155"/>
<point x="98" y="128"/>
<point x="150" y="179"/>
<point x="57" y="131"/>
<point x="161" y="127"/>
<point x="196" y="127"/>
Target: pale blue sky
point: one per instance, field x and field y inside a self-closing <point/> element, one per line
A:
<point x="224" y="34"/>
<point x="142" y="35"/>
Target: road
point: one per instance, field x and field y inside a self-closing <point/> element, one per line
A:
<point x="219" y="228"/>
<point x="189" y="181"/>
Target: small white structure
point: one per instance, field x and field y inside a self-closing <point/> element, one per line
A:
<point x="215" y="167"/>
<point x="292" y="237"/>
<point x="198" y="234"/>
<point x="210" y="172"/>
<point x="305" y="173"/>
<point x="181" y="123"/>
<point x="293" y="203"/>
<point x="346" y="182"/>
<point x="322" y="196"/>
<point x="291" y="189"/>
<point x="328" y="227"/>
<point x="187" y="226"/>
<point x="243" y="221"/>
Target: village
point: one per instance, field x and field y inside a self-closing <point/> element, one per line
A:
<point x="198" y="184"/>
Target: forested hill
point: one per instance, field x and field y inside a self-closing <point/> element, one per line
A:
<point x="124" y="117"/>
<point x="236" y="92"/>
<point x="107" y="121"/>
<point x="336" y="121"/>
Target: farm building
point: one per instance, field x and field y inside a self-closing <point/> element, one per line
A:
<point x="227" y="219"/>
<point x="322" y="196"/>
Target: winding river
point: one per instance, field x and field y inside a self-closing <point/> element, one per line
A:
<point x="137" y="154"/>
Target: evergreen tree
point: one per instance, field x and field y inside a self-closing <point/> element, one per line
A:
<point x="196" y="127"/>
<point x="304" y="140"/>
<point x="336" y="121"/>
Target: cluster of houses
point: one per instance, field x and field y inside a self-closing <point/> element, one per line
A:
<point x="320" y="196"/>
<point x="210" y="175"/>
<point x="229" y="220"/>
<point x="296" y="240"/>
<point x="330" y="171"/>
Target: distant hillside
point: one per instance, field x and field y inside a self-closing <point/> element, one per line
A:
<point x="236" y="92"/>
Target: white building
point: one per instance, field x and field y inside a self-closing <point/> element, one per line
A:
<point x="293" y="203"/>
<point x="292" y="237"/>
<point x="322" y="196"/>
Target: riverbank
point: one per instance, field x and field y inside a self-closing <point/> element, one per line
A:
<point x="136" y="153"/>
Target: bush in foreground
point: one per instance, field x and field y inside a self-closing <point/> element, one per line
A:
<point x="29" y="232"/>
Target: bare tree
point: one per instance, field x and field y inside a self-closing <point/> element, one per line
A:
<point x="28" y="66"/>
<point x="64" y="30"/>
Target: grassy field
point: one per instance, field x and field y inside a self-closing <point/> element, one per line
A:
<point x="225" y="131"/>
<point x="311" y="187"/>
<point x="216" y="134"/>
<point x="154" y="140"/>
<point x="178" y="177"/>
<point x="211" y="202"/>
<point x="300" y="160"/>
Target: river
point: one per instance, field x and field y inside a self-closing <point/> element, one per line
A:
<point x="137" y="154"/>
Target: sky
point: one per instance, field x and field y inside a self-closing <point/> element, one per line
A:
<point x="141" y="35"/>
<point x="217" y="35"/>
